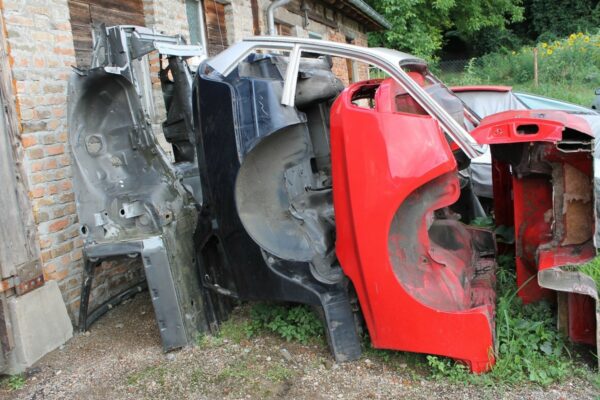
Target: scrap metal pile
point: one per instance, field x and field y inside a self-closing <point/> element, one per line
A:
<point x="288" y="187"/>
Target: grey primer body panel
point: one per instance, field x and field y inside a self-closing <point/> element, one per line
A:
<point x="130" y="199"/>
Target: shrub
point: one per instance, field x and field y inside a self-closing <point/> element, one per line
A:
<point x="297" y="323"/>
<point x="569" y="69"/>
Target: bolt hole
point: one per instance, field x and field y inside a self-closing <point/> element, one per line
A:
<point x="122" y="212"/>
<point x="84" y="230"/>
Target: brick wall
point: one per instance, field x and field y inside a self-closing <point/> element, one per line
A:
<point x="41" y="53"/>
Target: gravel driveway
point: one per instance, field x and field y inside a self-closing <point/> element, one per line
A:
<point x="121" y="358"/>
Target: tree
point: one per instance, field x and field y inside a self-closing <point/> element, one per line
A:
<point x="559" y="18"/>
<point x="418" y="26"/>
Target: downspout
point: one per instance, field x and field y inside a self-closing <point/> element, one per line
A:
<point x="271" y="18"/>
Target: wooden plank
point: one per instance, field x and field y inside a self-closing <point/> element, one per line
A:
<point x="216" y="31"/>
<point x="255" y="17"/>
<point x="114" y="17"/>
<point x="17" y="227"/>
<point x="128" y="6"/>
<point x="82" y="37"/>
<point x="87" y="13"/>
<point x="83" y="57"/>
<point x="79" y="13"/>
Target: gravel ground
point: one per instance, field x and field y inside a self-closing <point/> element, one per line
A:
<point x="121" y="358"/>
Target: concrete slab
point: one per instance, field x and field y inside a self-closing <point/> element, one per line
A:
<point x="39" y="323"/>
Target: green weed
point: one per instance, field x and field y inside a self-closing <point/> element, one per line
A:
<point x="156" y="373"/>
<point x="592" y="269"/>
<point x="529" y="347"/>
<point x="13" y="382"/>
<point x="278" y="373"/>
<point x="235" y="330"/>
<point x="297" y="323"/>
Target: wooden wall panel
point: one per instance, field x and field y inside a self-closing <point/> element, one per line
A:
<point x="216" y="32"/>
<point x="87" y="13"/>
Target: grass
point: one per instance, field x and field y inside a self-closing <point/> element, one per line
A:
<point x="13" y="382"/>
<point x="592" y="269"/>
<point x="569" y="69"/>
<point x="155" y="373"/>
<point x="529" y="347"/>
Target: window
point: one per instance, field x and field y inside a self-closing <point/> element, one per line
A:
<point x="195" y="18"/>
<point x="284" y="29"/>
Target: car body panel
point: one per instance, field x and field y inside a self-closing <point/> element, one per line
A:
<point x="405" y="160"/>
<point x="287" y="188"/>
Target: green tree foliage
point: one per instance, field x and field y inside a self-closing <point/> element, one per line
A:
<point x="418" y="26"/>
<point x="558" y="18"/>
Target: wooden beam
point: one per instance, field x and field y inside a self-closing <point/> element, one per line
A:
<point x="19" y="253"/>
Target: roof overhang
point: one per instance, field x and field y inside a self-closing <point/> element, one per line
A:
<point x="362" y="12"/>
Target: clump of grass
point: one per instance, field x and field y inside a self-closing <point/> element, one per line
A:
<point x="529" y="347"/>
<point x="13" y="382"/>
<point x="155" y="373"/>
<point x="298" y="323"/>
<point x="592" y="269"/>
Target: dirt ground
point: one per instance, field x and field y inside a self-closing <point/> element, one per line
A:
<point x="121" y="358"/>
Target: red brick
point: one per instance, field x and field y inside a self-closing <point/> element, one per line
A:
<point x="58" y="276"/>
<point x="36" y="166"/>
<point x="50" y="164"/>
<point x="58" y="225"/>
<point x="37" y="192"/>
<point x="35" y="154"/>
<point x="45" y="243"/>
<point x="62" y="137"/>
<point x="55" y="150"/>
<point x="28" y="140"/>
<point x="65" y="185"/>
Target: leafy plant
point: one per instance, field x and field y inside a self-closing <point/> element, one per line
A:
<point x="529" y="349"/>
<point x="14" y="382"/>
<point x="418" y="26"/>
<point x="297" y="323"/>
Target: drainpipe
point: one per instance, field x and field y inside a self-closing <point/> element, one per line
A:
<point x="271" y="18"/>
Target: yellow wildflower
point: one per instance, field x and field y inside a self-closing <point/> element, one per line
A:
<point x="580" y="34"/>
<point x="544" y="45"/>
<point x="549" y="51"/>
<point x="586" y="39"/>
<point x="514" y="52"/>
<point x="572" y="36"/>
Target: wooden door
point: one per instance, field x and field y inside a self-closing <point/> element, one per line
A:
<point x="87" y="13"/>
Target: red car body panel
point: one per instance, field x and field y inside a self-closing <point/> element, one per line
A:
<point x="391" y="170"/>
<point x="544" y="236"/>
